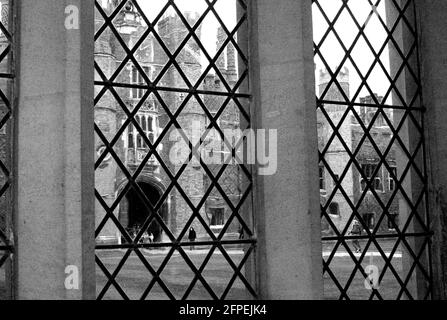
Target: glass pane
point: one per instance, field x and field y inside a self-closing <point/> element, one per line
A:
<point x="370" y="138"/>
<point x="5" y="275"/>
<point x="6" y="165"/>
<point x="171" y="85"/>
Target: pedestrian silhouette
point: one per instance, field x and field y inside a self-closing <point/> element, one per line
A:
<point x="356" y="231"/>
<point x="192" y="236"/>
<point x="241" y="233"/>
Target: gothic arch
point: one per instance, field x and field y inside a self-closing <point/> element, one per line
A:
<point x="146" y="182"/>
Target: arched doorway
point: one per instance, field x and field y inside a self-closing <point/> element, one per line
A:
<point x="133" y="212"/>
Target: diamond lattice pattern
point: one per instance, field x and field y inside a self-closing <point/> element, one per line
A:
<point x="172" y="202"/>
<point x="372" y="151"/>
<point x="6" y="113"/>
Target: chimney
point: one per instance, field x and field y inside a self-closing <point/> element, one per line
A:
<point x="221" y="36"/>
<point x="334" y="92"/>
<point x="231" y="64"/>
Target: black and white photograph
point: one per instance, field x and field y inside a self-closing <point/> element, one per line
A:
<point x="249" y="151"/>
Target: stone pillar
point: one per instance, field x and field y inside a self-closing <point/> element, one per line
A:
<point x="55" y="187"/>
<point x="288" y="209"/>
<point x="433" y="45"/>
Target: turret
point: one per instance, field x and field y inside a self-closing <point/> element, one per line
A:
<point x="334" y="93"/>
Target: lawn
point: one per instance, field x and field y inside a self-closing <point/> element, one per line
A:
<point x="343" y="266"/>
<point x="177" y="275"/>
<point x="134" y="277"/>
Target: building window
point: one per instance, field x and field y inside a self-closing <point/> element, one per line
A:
<point x="215" y="145"/>
<point x="366" y="63"/>
<point x="393" y="221"/>
<point x="217" y="217"/>
<point x="148" y="124"/>
<point x="131" y="137"/>
<point x="380" y="121"/>
<point x="334" y="209"/>
<point x="150" y="133"/>
<point x="391" y="180"/>
<point x="378" y="186"/>
<point x="137" y="79"/>
<point x="156" y="195"/>
<point x="368" y="171"/>
<point x="322" y="180"/>
<point x="369" y="220"/>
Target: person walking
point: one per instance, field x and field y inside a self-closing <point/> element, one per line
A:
<point x="241" y="233"/>
<point x="134" y="232"/>
<point x="192" y="236"/>
<point x="145" y="238"/>
<point x="356" y="231"/>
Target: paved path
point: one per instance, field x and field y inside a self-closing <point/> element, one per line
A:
<point x="342" y="254"/>
<point x="368" y="254"/>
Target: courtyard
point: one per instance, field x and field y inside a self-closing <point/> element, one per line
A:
<point x="134" y="277"/>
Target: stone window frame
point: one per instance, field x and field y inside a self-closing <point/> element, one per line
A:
<point x="281" y="47"/>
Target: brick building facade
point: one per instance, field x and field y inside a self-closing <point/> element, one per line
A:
<point x="337" y="157"/>
<point x="153" y="118"/>
<point x="53" y="210"/>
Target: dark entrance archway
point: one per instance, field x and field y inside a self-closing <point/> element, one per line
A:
<point x="134" y="213"/>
